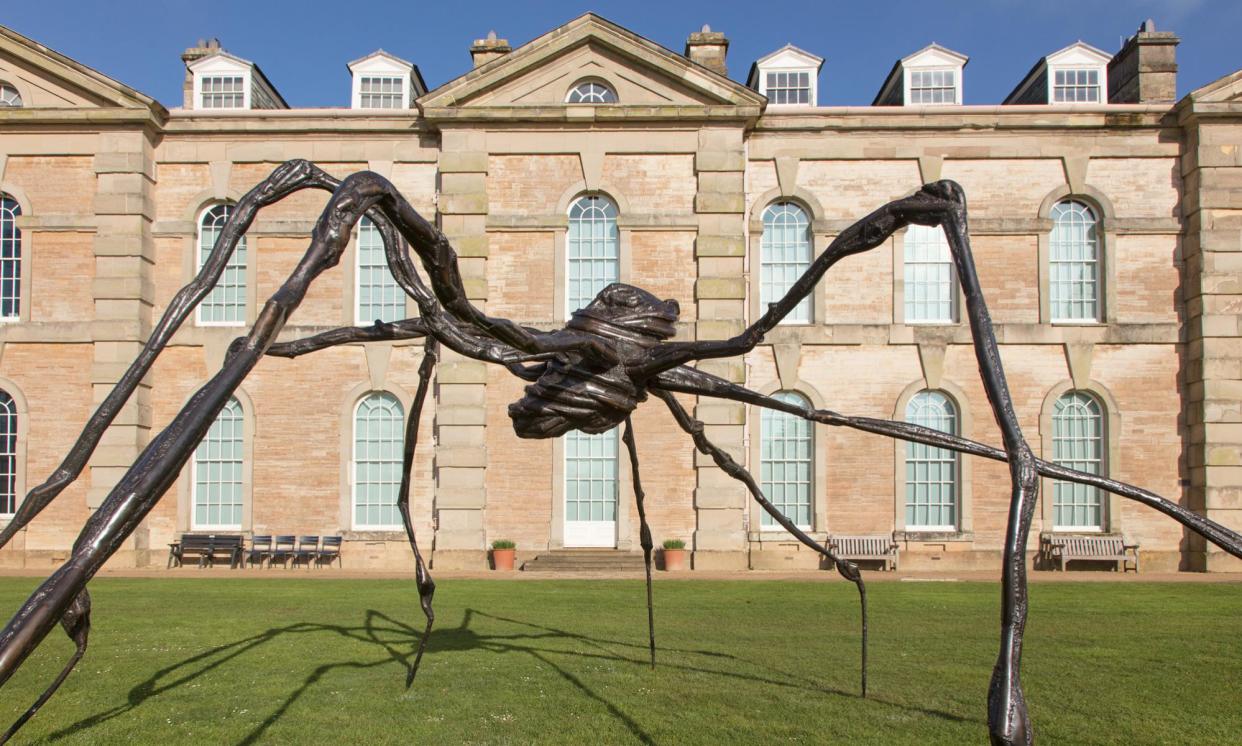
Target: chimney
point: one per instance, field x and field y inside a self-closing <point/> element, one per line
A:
<point x="204" y="48"/>
<point x="1145" y="70"/>
<point x="708" y="48"/>
<point x="484" y="51"/>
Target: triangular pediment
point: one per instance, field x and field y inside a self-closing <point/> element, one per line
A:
<point x="1227" y="89"/>
<point x="48" y="79"/>
<point x="541" y="72"/>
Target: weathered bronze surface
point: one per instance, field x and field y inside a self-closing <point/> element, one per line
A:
<point x="588" y="376"/>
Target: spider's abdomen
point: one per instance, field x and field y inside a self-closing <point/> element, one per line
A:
<point x="575" y="396"/>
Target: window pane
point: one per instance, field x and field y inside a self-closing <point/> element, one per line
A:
<point x="9" y="97"/>
<point x="218" y="471"/>
<point x="378" y="450"/>
<point x="1073" y="271"/>
<point x="591" y="476"/>
<point x="223" y="92"/>
<point x="226" y="303"/>
<point x="591" y="250"/>
<point x="931" y="473"/>
<point x="788" y="87"/>
<point x="786" y="450"/>
<point x="10" y="258"/>
<point x="591" y="92"/>
<point x="785" y="254"/>
<point x="1078" y="443"/>
<point x="380" y="92"/>
<point x="379" y="296"/>
<point x="930" y="280"/>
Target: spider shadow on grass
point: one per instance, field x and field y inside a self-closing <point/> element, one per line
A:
<point x="399" y="642"/>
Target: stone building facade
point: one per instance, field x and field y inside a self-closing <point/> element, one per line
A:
<point x="1106" y="224"/>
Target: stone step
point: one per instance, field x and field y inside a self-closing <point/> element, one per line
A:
<point x="585" y="560"/>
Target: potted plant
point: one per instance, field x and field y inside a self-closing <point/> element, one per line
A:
<point x="503" y="551"/>
<point x="674" y="555"/>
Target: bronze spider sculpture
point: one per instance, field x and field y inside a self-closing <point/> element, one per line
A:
<point x="588" y="376"/>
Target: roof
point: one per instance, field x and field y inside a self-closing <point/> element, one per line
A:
<point x="1042" y="63"/>
<point x="894" y="75"/>
<point x="258" y="72"/>
<point x="752" y="77"/>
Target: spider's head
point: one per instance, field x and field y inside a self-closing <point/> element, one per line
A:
<point x="632" y="309"/>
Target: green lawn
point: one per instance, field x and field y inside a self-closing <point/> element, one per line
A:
<point x="283" y="660"/>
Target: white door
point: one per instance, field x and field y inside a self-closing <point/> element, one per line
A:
<point x="591" y="489"/>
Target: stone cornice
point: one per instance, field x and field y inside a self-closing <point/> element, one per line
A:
<point x="579" y="114"/>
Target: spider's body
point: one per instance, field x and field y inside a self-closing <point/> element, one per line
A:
<point x="588" y="376"/>
<point x="581" y="391"/>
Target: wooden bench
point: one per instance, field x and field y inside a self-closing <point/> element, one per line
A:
<point x="879" y="547"/>
<point x="1061" y="548"/>
<point x="207" y="547"/>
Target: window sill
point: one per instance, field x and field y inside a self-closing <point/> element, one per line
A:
<point x="933" y="536"/>
<point x="374" y="534"/>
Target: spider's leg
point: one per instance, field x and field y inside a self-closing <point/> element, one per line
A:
<point x="686" y="380"/>
<point x="644" y="531"/>
<point x="847" y="569"/>
<point x="426" y="586"/>
<point x="77" y="624"/>
<point x="286" y="179"/>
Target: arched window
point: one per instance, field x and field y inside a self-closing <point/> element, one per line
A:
<point x="218" y="471"/>
<point x="591" y="250"/>
<point x="379" y="295"/>
<point x="10" y="258"/>
<point x="9" y="97"/>
<point x="591" y="92"/>
<point x="785" y="453"/>
<point x="930" y="286"/>
<point x="1078" y="443"/>
<point x="379" y="436"/>
<point x="225" y="305"/>
<point x="931" y="472"/>
<point x="784" y="254"/>
<point x="8" y="454"/>
<point x="1074" y="263"/>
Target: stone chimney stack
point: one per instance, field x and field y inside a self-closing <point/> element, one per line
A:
<point x="204" y="48"/>
<point x="1145" y="70"/>
<point x="708" y="48"/>
<point x="484" y="51"/>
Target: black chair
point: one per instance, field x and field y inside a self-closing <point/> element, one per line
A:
<point x="260" y="549"/>
<point x="283" y="550"/>
<point x="307" y="551"/>
<point x="330" y="552"/>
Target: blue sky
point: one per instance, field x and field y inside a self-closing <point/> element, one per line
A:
<point x="303" y="46"/>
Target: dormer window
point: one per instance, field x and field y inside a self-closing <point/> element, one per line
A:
<point x="383" y="81"/>
<point x="591" y="92"/>
<point x="931" y="76"/>
<point x="222" y="92"/>
<point x="1076" y="85"/>
<point x="9" y="97"/>
<point x="788" y="77"/>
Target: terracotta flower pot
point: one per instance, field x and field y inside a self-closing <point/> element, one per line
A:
<point x="674" y="560"/>
<point x="502" y="559"/>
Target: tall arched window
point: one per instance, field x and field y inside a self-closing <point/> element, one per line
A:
<point x="785" y="453"/>
<point x="784" y="254"/>
<point x="1078" y="443"/>
<point x="379" y="295"/>
<point x="8" y="454"/>
<point x="591" y="92"/>
<point x="225" y="305"/>
<point x="1074" y="263"/>
<point x="591" y="249"/>
<point x="218" y="471"/>
<point x="931" y="473"/>
<point x="9" y="97"/>
<point x="379" y="436"/>
<point x="930" y="287"/>
<point x="10" y="258"/>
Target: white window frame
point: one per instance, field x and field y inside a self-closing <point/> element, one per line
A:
<point x="222" y="65"/>
<point x="402" y="94"/>
<point x="768" y="90"/>
<point x="367" y="232"/>
<point x="946" y="420"/>
<point x="925" y="251"/>
<point x="771" y="288"/>
<point x="604" y="91"/>
<point x="200" y="94"/>
<point x="1081" y="458"/>
<point x="9" y="457"/>
<point x="10" y="97"/>
<point x="10" y="211"/>
<point x="909" y="73"/>
<point x="607" y="476"/>
<point x="1101" y="90"/>
<point x="239" y="260"/>
<point x="397" y="445"/>
<point x="597" y="213"/>
<point x="803" y="440"/>
<point x="1089" y="241"/>
<point x="196" y="464"/>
